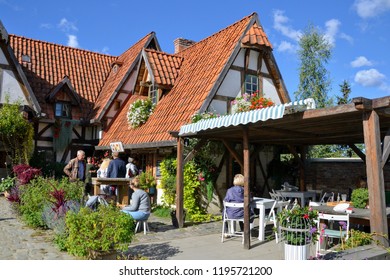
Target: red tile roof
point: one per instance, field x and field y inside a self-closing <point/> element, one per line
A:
<point x="50" y="63"/>
<point x="126" y="62"/>
<point x="256" y="37"/>
<point x="164" y="67"/>
<point x="202" y="65"/>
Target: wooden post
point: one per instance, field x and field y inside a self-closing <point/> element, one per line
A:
<point x="179" y="182"/>
<point x="375" y="180"/>
<point x="247" y="239"/>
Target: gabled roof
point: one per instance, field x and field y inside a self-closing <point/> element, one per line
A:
<point x="64" y="83"/>
<point x="256" y="37"/>
<point x="126" y="63"/>
<point x="203" y="64"/>
<point x="30" y="97"/>
<point x="50" y="63"/>
<point x="163" y="68"/>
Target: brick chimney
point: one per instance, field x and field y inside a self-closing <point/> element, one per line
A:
<point x="181" y="44"/>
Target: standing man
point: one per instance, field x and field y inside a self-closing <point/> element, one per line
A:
<point x="116" y="169"/>
<point x="90" y="169"/>
<point x="76" y="167"/>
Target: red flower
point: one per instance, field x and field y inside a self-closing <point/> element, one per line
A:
<point x="306" y="216"/>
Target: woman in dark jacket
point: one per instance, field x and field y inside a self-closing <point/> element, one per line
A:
<point x="236" y="194"/>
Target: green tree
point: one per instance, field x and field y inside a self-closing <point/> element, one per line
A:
<point x="345" y="90"/>
<point x="16" y="132"/>
<point x="314" y="53"/>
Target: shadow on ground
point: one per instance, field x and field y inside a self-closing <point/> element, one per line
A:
<point x="157" y="251"/>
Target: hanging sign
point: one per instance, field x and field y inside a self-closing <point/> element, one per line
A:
<point x="117" y="147"/>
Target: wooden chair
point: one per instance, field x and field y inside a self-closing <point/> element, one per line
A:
<point x="331" y="227"/>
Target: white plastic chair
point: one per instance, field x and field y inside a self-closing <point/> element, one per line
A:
<point x="271" y="218"/>
<point x="332" y="226"/>
<point x="232" y="221"/>
<point x="142" y="224"/>
<point x="327" y="197"/>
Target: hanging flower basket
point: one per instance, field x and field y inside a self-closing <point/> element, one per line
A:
<point x="139" y="112"/>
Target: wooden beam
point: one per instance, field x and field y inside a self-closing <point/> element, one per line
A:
<point x="246" y="153"/>
<point x="375" y="179"/>
<point x="358" y="151"/>
<point x="386" y="148"/>
<point x="180" y="182"/>
<point x="196" y="149"/>
<point x="234" y="153"/>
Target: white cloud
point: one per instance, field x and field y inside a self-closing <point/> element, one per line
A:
<point x="371" y="8"/>
<point x="332" y="28"/>
<point x="67" y="26"/>
<point x="72" y="41"/>
<point x="346" y="37"/>
<point x="286" y="47"/>
<point x="280" y="24"/>
<point x="46" y="25"/>
<point x="360" y="62"/>
<point x="370" y="78"/>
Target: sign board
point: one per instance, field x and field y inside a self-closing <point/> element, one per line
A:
<point x="117" y="147"/>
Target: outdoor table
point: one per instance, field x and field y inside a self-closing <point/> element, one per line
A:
<point x="303" y="196"/>
<point x="262" y="204"/>
<point x="358" y="216"/>
<point x="121" y="183"/>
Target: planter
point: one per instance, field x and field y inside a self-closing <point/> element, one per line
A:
<point x="296" y="252"/>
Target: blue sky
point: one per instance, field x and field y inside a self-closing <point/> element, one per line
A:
<point x="357" y="29"/>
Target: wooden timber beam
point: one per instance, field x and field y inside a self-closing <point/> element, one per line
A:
<point x="375" y="179"/>
<point x="234" y="153"/>
<point x="246" y="153"/>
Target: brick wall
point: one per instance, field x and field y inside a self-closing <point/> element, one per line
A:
<point x="338" y="175"/>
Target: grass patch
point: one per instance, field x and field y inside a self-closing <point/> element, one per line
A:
<point x="162" y="211"/>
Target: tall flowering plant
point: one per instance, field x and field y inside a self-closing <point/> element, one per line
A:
<point x="139" y="112"/>
<point x="247" y="102"/>
<point x="299" y="225"/>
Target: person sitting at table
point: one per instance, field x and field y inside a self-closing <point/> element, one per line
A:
<point x="139" y="208"/>
<point x="236" y="194"/>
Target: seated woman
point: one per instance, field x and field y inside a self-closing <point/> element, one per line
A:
<point x="139" y="208"/>
<point x="236" y="194"/>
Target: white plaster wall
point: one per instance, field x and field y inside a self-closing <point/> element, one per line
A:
<point x="11" y="87"/>
<point x="269" y="90"/>
<point x="231" y="84"/>
<point x="3" y="60"/>
<point x="218" y="106"/>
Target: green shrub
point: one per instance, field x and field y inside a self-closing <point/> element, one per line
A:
<point x="359" y="197"/>
<point x="7" y="183"/>
<point x="162" y="211"/>
<point x="93" y="232"/>
<point x="35" y="195"/>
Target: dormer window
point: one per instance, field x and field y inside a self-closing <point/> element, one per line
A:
<point x="251" y="83"/>
<point x="63" y="110"/>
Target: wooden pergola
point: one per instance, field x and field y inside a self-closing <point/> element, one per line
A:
<point x="361" y="121"/>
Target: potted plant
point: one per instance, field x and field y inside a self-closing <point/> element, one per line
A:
<point x="359" y="198"/>
<point x="6" y="185"/>
<point x="298" y="227"/>
<point x="139" y="112"/>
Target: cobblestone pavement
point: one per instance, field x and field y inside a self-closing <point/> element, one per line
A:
<point x="163" y="241"/>
<point x="19" y="242"/>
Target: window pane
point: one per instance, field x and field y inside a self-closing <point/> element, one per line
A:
<point x="251" y="84"/>
<point x="58" y="110"/>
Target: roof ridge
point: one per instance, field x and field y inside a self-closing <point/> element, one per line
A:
<point x="59" y="45"/>
<point x="220" y="31"/>
<point x="162" y="52"/>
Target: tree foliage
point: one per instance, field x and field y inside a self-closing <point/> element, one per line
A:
<point x="16" y="132"/>
<point x="314" y="53"/>
<point x="345" y="89"/>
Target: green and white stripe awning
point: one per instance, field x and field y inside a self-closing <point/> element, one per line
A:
<point x="243" y="118"/>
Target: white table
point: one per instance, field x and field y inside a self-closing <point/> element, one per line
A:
<point x="303" y="197"/>
<point x="262" y="204"/>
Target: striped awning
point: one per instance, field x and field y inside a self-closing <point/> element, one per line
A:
<point x="243" y="118"/>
